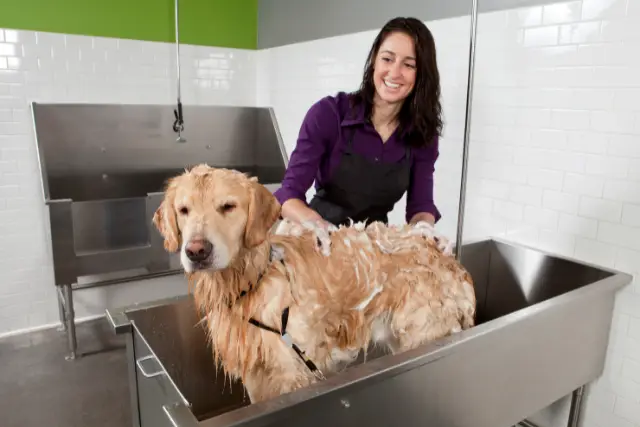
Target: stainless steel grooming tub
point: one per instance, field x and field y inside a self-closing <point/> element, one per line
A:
<point x="542" y="334"/>
<point x="103" y="169"/>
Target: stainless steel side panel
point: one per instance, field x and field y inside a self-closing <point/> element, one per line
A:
<point x="178" y="340"/>
<point x="113" y="224"/>
<point x="154" y="386"/>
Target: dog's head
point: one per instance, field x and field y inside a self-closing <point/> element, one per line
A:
<point x="212" y="215"/>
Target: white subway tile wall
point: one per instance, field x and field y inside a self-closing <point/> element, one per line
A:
<point x="555" y="146"/>
<point x="554" y="159"/>
<point x="63" y="68"/>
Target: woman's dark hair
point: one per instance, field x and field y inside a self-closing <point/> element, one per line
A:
<point x="421" y="110"/>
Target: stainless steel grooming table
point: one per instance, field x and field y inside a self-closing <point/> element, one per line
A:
<point x="103" y="169"/>
<point x="542" y="334"/>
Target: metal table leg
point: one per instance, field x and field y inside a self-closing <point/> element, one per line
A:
<point x="67" y="316"/>
<point x="61" y="311"/>
<point x="575" y="411"/>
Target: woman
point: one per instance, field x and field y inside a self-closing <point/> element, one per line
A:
<point x="366" y="149"/>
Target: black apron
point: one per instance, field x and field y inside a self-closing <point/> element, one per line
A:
<point x="361" y="189"/>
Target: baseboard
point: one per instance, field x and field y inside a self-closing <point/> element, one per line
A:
<point x="46" y="326"/>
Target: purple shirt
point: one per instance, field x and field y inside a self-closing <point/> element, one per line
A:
<point x="323" y="138"/>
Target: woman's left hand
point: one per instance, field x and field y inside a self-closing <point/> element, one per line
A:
<point x="423" y="217"/>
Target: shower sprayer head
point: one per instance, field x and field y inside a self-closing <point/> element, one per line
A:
<point x="178" y="125"/>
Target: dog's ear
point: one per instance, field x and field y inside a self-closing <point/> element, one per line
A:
<point x="264" y="211"/>
<point x="165" y="221"/>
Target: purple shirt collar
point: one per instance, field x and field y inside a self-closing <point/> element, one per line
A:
<point x="358" y="118"/>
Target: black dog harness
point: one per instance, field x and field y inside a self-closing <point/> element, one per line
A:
<point x="288" y="340"/>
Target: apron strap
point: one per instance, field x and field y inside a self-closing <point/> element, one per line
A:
<point x="350" y="134"/>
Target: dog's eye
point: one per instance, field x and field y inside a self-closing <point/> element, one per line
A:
<point x="227" y="207"/>
<point x="183" y="210"/>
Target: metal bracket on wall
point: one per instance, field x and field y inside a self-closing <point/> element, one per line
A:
<point x="178" y="125"/>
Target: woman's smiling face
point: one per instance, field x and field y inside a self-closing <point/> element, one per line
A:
<point x="394" y="73"/>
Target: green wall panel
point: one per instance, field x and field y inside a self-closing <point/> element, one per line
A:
<point x="225" y="23"/>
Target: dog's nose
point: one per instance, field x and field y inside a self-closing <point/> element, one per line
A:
<point x="198" y="250"/>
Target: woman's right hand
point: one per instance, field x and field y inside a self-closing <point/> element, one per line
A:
<point x="297" y="211"/>
<point x="321" y="224"/>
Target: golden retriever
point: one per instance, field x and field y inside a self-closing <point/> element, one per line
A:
<point x="335" y="292"/>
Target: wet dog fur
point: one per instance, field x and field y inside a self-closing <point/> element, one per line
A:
<point x="346" y="288"/>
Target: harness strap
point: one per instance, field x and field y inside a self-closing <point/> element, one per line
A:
<point x="288" y="340"/>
